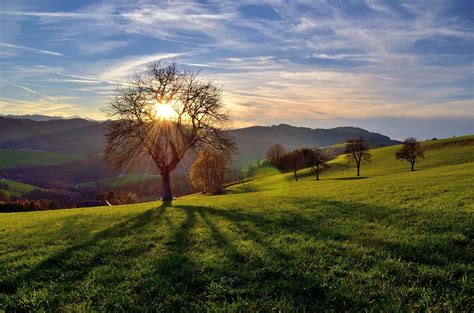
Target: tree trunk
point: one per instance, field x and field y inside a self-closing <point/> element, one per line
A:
<point x="296" y="176"/>
<point x="358" y="169"/>
<point x="166" y="182"/>
<point x="413" y="166"/>
<point x="317" y="173"/>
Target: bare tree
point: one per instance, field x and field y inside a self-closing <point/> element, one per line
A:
<point x="317" y="159"/>
<point x="358" y="151"/>
<point x="207" y="172"/>
<point x="411" y="149"/>
<point x="275" y="155"/>
<point x="164" y="113"/>
<point x="294" y="161"/>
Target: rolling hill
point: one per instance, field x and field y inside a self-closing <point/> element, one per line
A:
<point x="393" y="240"/>
<point x="253" y="142"/>
<point x="11" y="158"/>
<point x="16" y="188"/>
<point x="77" y="136"/>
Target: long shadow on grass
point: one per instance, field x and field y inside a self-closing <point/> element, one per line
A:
<point x="275" y="272"/>
<point x="178" y="279"/>
<point x="66" y="269"/>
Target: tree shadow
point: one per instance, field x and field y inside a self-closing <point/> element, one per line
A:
<point x="349" y="178"/>
<point x="74" y="263"/>
<point x="262" y="258"/>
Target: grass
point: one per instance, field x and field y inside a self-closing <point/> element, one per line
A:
<point x="16" y="188"/>
<point x="450" y="151"/>
<point x="11" y="158"/>
<point x="388" y="242"/>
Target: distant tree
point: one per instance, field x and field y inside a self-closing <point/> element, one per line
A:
<point x="207" y="172"/>
<point x="4" y="197"/>
<point x="163" y="113"/>
<point x="358" y="151"/>
<point x="317" y="160"/>
<point x="294" y="161"/>
<point x="275" y="155"/>
<point x="411" y="150"/>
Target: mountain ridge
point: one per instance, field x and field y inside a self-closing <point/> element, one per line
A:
<point x="81" y="136"/>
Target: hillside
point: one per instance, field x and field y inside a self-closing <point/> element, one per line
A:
<point x="253" y="142"/>
<point x="394" y="240"/>
<point x="83" y="138"/>
<point x="16" y="188"/>
<point x="14" y="129"/>
<point x="77" y="136"/>
<point x="11" y="158"/>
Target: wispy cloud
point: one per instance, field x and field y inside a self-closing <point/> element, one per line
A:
<point x="28" y="49"/>
<point x="27" y="89"/>
<point x="120" y="70"/>
<point x="280" y="61"/>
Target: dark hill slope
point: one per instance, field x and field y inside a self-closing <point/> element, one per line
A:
<point x="78" y="136"/>
<point x="84" y="140"/>
<point x="13" y="129"/>
<point x="254" y="141"/>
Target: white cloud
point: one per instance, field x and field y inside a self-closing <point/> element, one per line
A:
<point x="121" y="69"/>
<point x="98" y="47"/>
<point x="34" y="50"/>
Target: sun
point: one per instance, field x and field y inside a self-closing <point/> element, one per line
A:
<point x="164" y="111"/>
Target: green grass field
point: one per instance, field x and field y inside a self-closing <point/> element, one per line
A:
<point x="16" y="188"/>
<point x="392" y="240"/>
<point x="11" y="158"/>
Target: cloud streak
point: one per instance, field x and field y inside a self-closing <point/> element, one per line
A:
<point x="279" y="61"/>
<point x="28" y="49"/>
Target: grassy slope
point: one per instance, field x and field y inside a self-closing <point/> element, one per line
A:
<point x="10" y="158"/>
<point x="388" y="242"/>
<point x="16" y="188"/>
<point x="438" y="153"/>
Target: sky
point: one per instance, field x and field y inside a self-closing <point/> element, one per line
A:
<point x="402" y="68"/>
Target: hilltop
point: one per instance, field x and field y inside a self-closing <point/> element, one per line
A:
<point x="85" y="137"/>
<point x="391" y="240"/>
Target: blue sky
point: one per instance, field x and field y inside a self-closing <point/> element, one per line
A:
<point x="401" y="68"/>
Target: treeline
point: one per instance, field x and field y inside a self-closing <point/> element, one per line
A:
<point x="42" y="200"/>
<point x="316" y="159"/>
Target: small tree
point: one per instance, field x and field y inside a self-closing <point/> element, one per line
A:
<point x="294" y="161"/>
<point x="358" y="151"/>
<point x="411" y="149"/>
<point x="207" y="172"/>
<point x="317" y="159"/>
<point x="275" y="155"/>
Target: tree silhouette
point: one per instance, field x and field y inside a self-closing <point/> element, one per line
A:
<point x="275" y="155"/>
<point x="316" y="159"/>
<point x="294" y="161"/>
<point x="411" y="149"/>
<point x="164" y="113"/>
<point x="357" y="150"/>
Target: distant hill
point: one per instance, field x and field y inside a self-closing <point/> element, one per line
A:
<point x="40" y="117"/>
<point x="254" y="141"/>
<point x="14" y="130"/>
<point x="79" y="136"/>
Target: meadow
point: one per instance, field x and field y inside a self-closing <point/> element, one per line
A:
<point x="16" y="188"/>
<point x="389" y="240"/>
<point x="11" y="158"/>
